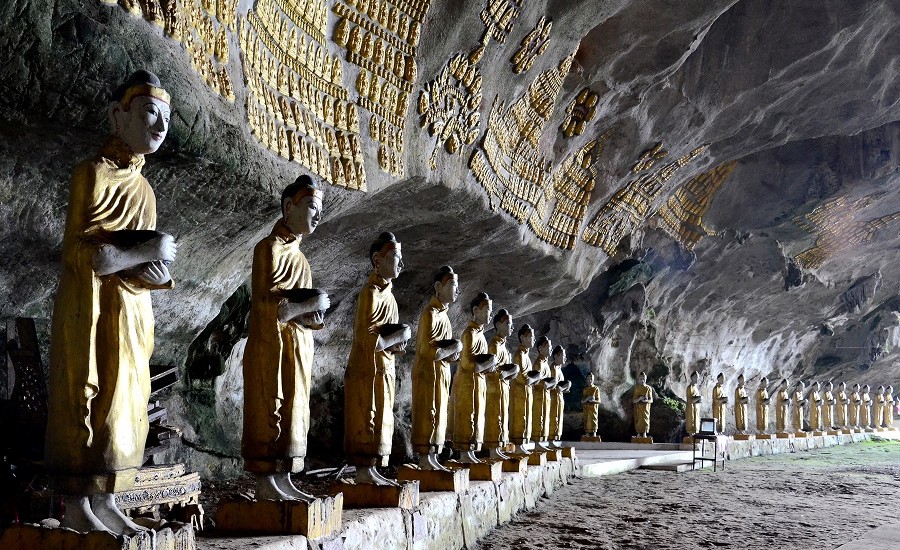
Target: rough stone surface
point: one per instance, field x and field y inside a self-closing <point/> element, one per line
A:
<point x="802" y="94"/>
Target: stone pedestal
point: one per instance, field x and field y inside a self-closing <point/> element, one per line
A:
<point x="482" y="471"/>
<point x="801" y="433"/>
<point x="537" y="458"/>
<point x="455" y="481"/>
<point x="591" y="438"/>
<point x="818" y="433"/>
<point x="25" y="536"/>
<point x="765" y="436"/>
<point x="835" y="432"/>
<point x="554" y="455"/>
<point x="744" y="437"/>
<point x="314" y="520"/>
<point x="367" y="495"/>
<point x="644" y="440"/>
<point x="569" y="452"/>
<point x="784" y="435"/>
<point x="516" y="464"/>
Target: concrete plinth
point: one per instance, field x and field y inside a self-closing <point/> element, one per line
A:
<point x="516" y="463"/>
<point x="569" y="452"/>
<point x="456" y="481"/>
<point x="765" y="436"/>
<point x="537" y="458"/>
<point x="744" y="437"/>
<point x="314" y="520"/>
<point x="642" y="440"/>
<point x="480" y="471"/>
<point x="784" y="435"/>
<point x="26" y="536"/>
<point x="367" y="495"/>
<point x="554" y="455"/>
<point x="591" y="438"/>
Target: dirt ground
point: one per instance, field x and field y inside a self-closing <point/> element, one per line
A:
<point x="806" y="501"/>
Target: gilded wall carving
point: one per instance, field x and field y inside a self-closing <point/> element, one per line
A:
<point x="837" y="227"/>
<point x="579" y="112"/>
<point x="632" y="205"/>
<point x="682" y="215"/>
<point x="380" y="38"/>
<point x="648" y="158"/>
<point x="297" y="105"/>
<point x="532" y="46"/>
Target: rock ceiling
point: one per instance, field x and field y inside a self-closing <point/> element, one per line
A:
<point x="699" y="184"/>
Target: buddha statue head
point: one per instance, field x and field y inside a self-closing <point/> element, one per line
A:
<point x="139" y="113"/>
<point x="890" y="389"/>
<point x="642" y="378"/>
<point x="816" y="386"/>
<point x="740" y="380"/>
<point x="800" y="386"/>
<point x="866" y="388"/>
<point x="386" y="257"/>
<point x="589" y="381"/>
<point x="720" y="379"/>
<point x="526" y="336"/>
<point x="543" y="347"/>
<point x="694" y="377"/>
<point x="446" y="285"/>
<point x="480" y="307"/>
<point x="784" y="383"/>
<point x="829" y="386"/>
<point x="503" y="323"/>
<point x="880" y="390"/>
<point x="301" y="205"/>
<point x="856" y="387"/>
<point x="843" y="386"/>
<point x="558" y="355"/>
<point x="764" y="383"/>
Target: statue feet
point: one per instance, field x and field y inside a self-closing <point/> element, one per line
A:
<point x="430" y="462"/>
<point x="268" y="489"/>
<point x="519" y="449"/>
<point x="541" y="446"/>
<point x="372" y="476"/>
<point x="104" y="507"/>
<point x="79" y="516"/>
<point x="497" y="454"/>
<point x="468" y="457"/>
<point x="283" y="481"/>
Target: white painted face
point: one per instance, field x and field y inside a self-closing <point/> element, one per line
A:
<point x="694" y="377"/>
<point x="482" y="313"/>
<point x="303" y="217"/>
<point x="143" y="127"/>
<point x="720" y="379"/>
<point x="560" y="358"/>
<point x="590" y="379"/>
<point x="527" y="339"/>
<point x="642" y="378"/>
<point x="505" y="327"/>
<point x="764" y="382"/>
<point x="389" y="265"/>
<point x="447" y="292"/>
<point x="544" y="349"/>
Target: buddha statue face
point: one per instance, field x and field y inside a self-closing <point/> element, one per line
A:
<point x="544" y="348"/>
<point x="784" y="383"/>
<point x="880" y="390"/>
<point x="801" y="386"/>
<point x="694" y="377"/>
<point x="856" y="387"/>
<point x="482" y="312"/>
<point x="843" y="386"/>
<point x="303" y="216"/>
<point x="764" y="382"/>
<point x="505" y="326"/>
<point x="526" y="340"/>
<point x="890" y="389"/>
<point x="559" y="358"/>
<point x="866" y="388"/>
<point x="642" y="378"/>
<point x="447" y="291"/>
<point x="590" y="379"/>
<point x="816" y="386"/>
<point x="720" y="379"/>
<point x="830" y="386"/>
<point x="389" y="264"/>
<point x="740" y="380"/>
<point x="142" y="124"/>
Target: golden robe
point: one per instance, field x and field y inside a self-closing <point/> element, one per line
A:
<point x="278" y="360"/>
<point x="520" y="400"/>
<point x="718" y="406"/>
<point x="540" y="405"/>
<point x="815" y="404"/>
<point x="762" y="410"/>
<point x="557" y="404"/>
<point x="430" y="380"/>
<point x="469" y="392"/>
<point x="369" y="381"/>
<point x="740" y="408"/>
<point x="878" y="416"/>
<point x="855" y="402"/>
<point x="496" y="414"/>
<point x="827" y="417"/>
<point x="692" y="409"/>
<point x="642" y="410"/>
<point x="865" y="411"/>
<point x="102" y="335"/>
<point x="889" y="410"/>
<point x="591" y="410"/>
<point x="797" y="413"/>
<point x="841" y="406"/>
<point x="781" y="411"/>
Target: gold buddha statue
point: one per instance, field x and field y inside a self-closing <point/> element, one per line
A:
<point x="782" y="405"/>
<point x="762" y="406"/>
<point x="590" y="405"/>
<point x="843" y="401"/>
<point x="741" y="405"/>
<point x="865" y="409"/>
<point x="828" y="402"/>
<point x="641" y="399"/>
<point x="540" y="410"/>
<point x="435" y="350"/>
<point x="497" y="408"/>
<point x="889" y="408"/>
<point x="853" y="415"/>
<point x="815" y="407"/>
<point x="370" y="379"/>
<point x="798" y="413"/>
<point x="719" y="400"/>
<point x="557" y="396"/>
<point x="692" y="400"/>
<point x="521" y="398"/>
<point x="102" y="329"/>
<point x="878" y="408"/>
<point x="278" y="358"/>
<point x="468" y="391"/>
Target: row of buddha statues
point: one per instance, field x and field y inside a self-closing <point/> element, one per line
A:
<point x="820" y="409"/>
<point x="103" y="335"/>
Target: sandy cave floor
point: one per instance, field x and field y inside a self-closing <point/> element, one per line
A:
<point x="809" y="500"/>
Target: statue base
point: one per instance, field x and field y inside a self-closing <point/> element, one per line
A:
<point x="480" y="471"/>
<point x="537" y="458"/>
<point x="765" y="436"/>
<point x="568" y="452"/>
<point x="516" y="464"/>
<point x="554" y="455"/>
<point x="368" y="495"/>
<point x="314" y="520"/>
<point x="26" y="536"/>
<point x="800" y="433"/>
<point x="817" y="433"/>
<point x="784" y="435"/>
<point x="835" y="432"/>
<point x="591" y="439"/>
<point x="642" y="440"/>
<point x="455" y="481"/>
<point x="744" y="437"/>
<point x="870" y="430"/>
<point x="687" y="440"/>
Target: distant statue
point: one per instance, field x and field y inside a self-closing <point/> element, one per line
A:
<point x="843" y="402"/>
<point x="641" y="399"/>
<point x="540" y="412"/>
<point x="855" y="407"/>
<point x="828" y="402"/>
<point x="719" y="400"/>
<point x="692" y="401"/>
<point x="889" y="407"/>
<point x="370" y="379"/>
<point x="865" y="409"/>
<point x="799" y="404"/>
<point x="435" y="350"/>
<point x="590" y="405"/>
<point x="521" y="398"/>
<point x="815" y="407"/>
<point x="878" y="416"/>
<point x="762" y="406"/>
<point x="278" y="357"/>
<point x="557" y="395"/>
<point x="102" y="331"/>
<point x="782" y="404"/>
<point x="496" y="423"/>
<point x="741" y="405"/>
